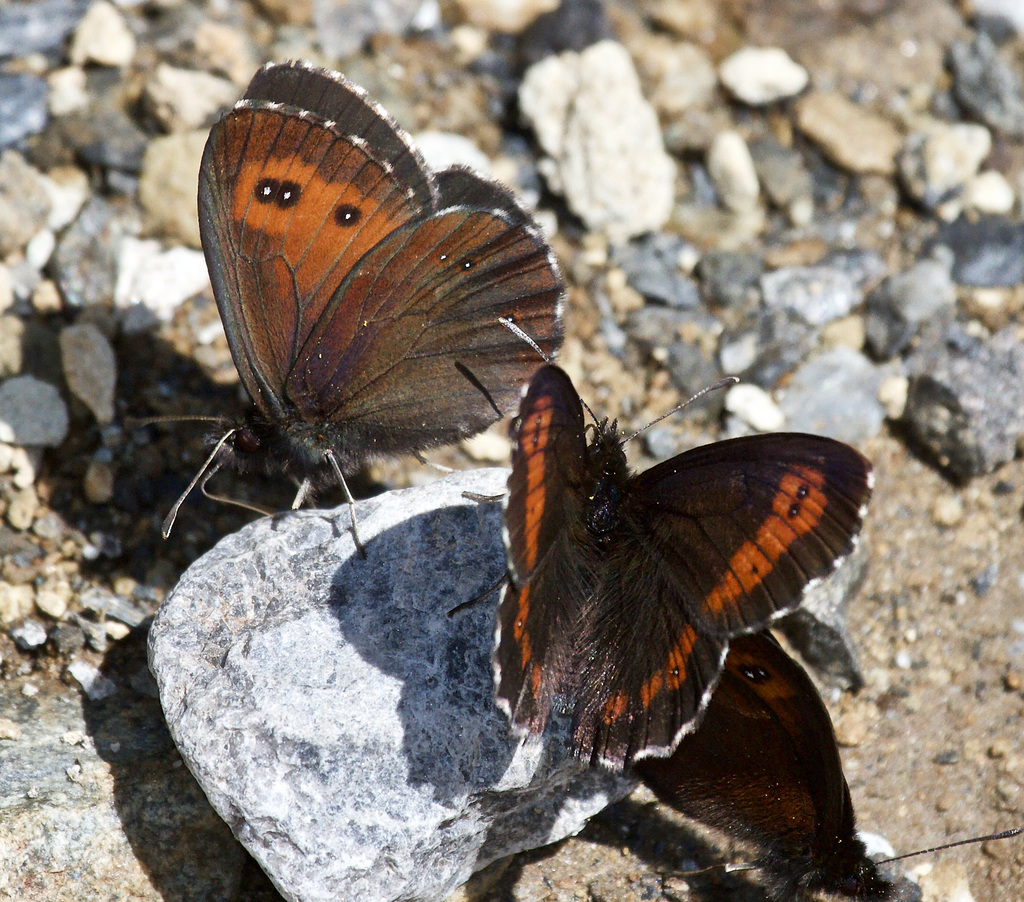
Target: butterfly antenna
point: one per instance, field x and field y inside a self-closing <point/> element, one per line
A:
<point x="224" y="499"/>
<point x="168" y="524"/>
<point x="510" y="324"/>
<point x="1005" y="834"/>
<point x="722" y="383"/>
<point x="329" y="454"/>
<point x="141" y="422"/>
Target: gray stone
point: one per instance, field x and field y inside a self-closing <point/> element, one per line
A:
<point x="987" y="252"/>
<point x="986" y="86"/>
<point x="343" y="28"/>
<point x="818" y="294"/>
<point x="29" y="634"/>
<point x="96" y="805"/>
<point x="23" y="109"/>
<point x="906" y="300"/>
<point x="784" y="178"/>
<point x="340" y="721"/>
<point x="90" y="369"/>
<point x="652" y="267"/>
<point x="604" y="148"/>
<point x="32" y="412"/>
<point x="86" y="257"/>
<point x="731" y="278"/>
<point x="38" y="27"/>
<point x="965" y="402"/>
<point x="836" y="394"/>
<point x="939" y="158"/>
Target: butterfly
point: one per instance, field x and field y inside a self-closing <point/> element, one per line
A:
<point x="764" y="767"/>
<point x="363" y="296"/>
<point x="624" y="590"/>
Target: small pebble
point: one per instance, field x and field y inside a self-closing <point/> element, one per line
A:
<point x="16" y="602"/>
<point x="593" y="122"/>
<point x="986" y="86"/>
<point x="23" y="108"/>
<point x="51" y="603"/>
<point x="102" y="37"/>
<point x="186" y="99"/>
<point x="9" y="729"/>
<point x="68" y="91"/>
<point x="29" y="634"/>
<point x="948" y="510"/>
<point x="902" y="660"/>
<point x="893" y="395"/>
<point x="504" y="16"/>
<point x="46" y="298"/>
<point x="491" y="447"/>
<point x="167" y="185"/>
<point x="938" y="159"/>
<point x="762" y="75"/>
<point x="854" y="138"/>
<point x="90" y="369"/>
<point x="95" y="685"/>
<point x="988" y="192"/>
<point x="32" y="412"/>
<point x="22" y="508"/>
<point x="818" y="294"/>
<point x="98" y="483"/>
<point x="755" y="407"/>
<point x="732" y="170"/>
<point x="161" y="281"/>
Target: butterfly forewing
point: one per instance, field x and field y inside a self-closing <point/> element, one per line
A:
<point x="425" y="300"/>
<point x="548" y="583"/>
<point x="718" y="541"/>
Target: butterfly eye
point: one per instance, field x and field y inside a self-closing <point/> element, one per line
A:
<point x="347" y="215"/>
<point x="281" y="194"/>
<point x="246" y="441"/>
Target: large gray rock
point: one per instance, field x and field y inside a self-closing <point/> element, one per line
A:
<point x="340" y="721"/>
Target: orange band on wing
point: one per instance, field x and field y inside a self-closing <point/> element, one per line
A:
<point x="797" y="508"/>
<point x="533" y="439"/>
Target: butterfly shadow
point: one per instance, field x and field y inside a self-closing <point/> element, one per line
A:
<point x="392" y="608"/>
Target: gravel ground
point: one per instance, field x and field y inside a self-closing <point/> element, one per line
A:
<point x="906" y="135"/>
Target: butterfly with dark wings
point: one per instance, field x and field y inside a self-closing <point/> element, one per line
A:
<point x="363" y="296"/>
<point x="625" y="589"/>
<point x="763" y="766"/>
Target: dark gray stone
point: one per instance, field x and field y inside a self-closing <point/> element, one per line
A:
<point x="769" y="349"/>
<point x="987" y="252"/>
<point x="340" y="721"/>
<point x="986" y="86"/>
<point x="731" y="278"/>
<point x="651" y="265"/>
<point x="782" y="173"/>
<point x="965" y="403"/>
<point x="23" y="109"/>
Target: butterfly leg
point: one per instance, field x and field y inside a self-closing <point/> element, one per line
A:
<point x="168" y="523"/>
<point x="351" y="501"/>
<point x="476" y="599"/>
<point x="429" y="463"/>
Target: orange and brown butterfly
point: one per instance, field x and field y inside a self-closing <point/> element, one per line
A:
<point x="764" y="767"/>
<point x="362" y="294"/>
<point x="625" y="589"/>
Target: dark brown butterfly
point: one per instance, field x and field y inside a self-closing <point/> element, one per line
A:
<point x="363" y="295"/>
<point x="764" y="767"/>
<point x="625" y="589"/>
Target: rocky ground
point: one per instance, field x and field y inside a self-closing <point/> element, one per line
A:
<point x="839" y="225"/>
